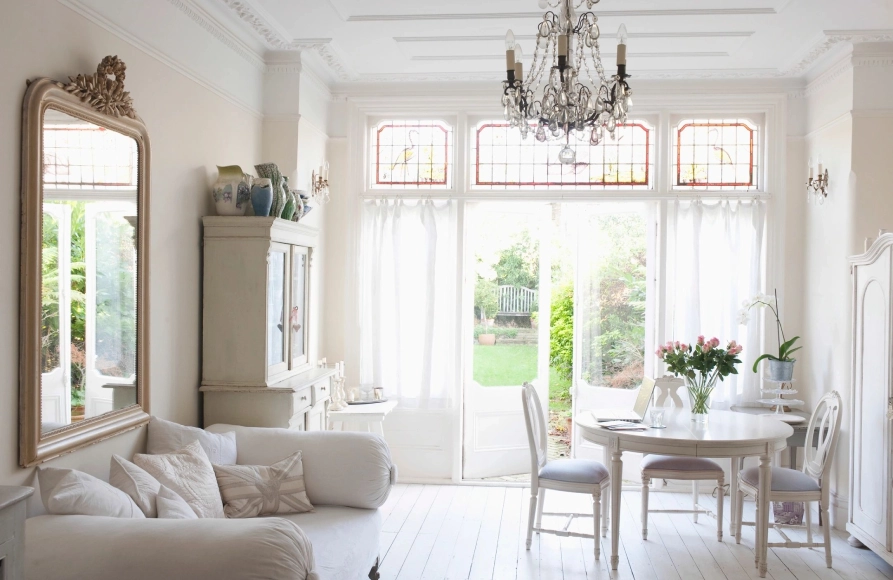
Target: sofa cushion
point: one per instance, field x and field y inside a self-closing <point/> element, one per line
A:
<point x="72" y="492"/>
<point x="680" y="463"/>
<point x="188" y="473"/>
<point x="345" y="540"/>
<point x="783" y="479"/>
<point x="171" y="506"/>
<point x="168" y="437"/>
<point x="87" y="547"/>
<point x="259" y="490"/>
<point x="135" y="482"/>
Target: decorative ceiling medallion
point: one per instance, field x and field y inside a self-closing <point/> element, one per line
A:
<point x="104" y="89"/>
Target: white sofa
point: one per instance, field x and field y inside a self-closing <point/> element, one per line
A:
<point x="347" y="476"/>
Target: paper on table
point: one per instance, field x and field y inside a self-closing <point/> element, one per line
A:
<point x="622" y="426"/>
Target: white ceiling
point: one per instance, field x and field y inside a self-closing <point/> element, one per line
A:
<point x="397" y="40"/>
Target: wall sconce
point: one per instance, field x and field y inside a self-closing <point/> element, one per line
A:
<point x="319" y="184"/>
<point x="817" y="187"/>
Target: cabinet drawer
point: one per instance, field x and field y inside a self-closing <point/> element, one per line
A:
<point x="302" y="401"/>
<point x="321" y="391"/>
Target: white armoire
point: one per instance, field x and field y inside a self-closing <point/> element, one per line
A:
<point x="257" y="310"/>
<point x="869" y="518"/>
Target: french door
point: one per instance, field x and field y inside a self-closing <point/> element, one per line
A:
<point x="614" y="308"/>
<point x="508" y="282"/>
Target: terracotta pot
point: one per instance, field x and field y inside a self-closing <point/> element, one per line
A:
<point x="487" y="339"/>
<point x="77" y="413"/>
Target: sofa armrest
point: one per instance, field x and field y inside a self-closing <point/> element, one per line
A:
<point x="340" y="468"/>
<point x="101" y="548"/>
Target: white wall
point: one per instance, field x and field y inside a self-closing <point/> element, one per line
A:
<point x="192" y="127"/>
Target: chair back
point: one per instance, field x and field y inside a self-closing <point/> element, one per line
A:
<point x="825" y="417"/>
<point x="670" y="392"/>
<point x="536" y="427"/>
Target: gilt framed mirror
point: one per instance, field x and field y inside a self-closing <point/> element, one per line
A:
<point x="84" y="353"/>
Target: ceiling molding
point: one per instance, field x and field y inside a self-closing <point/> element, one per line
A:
<point x="253" y="15"/>
<point x="501" y="57"/>
<point x="215" y="29"/>
<point x="831" y="39"/>
<point x="538" y="15"/>
<point x="726" y="74"/>
<point x="199" y="17"/>
<point x="500" y="38"/>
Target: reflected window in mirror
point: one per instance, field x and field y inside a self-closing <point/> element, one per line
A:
<point x="88" y="269"/>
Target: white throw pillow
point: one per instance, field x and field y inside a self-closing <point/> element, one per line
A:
<point x="135" y="482"/>
<point x="258" y="490"/>
<point x="190" y="475"/>
<point x="173" y="507"/>
<point x="71" y="492"/>
<point x="168" y="437"/>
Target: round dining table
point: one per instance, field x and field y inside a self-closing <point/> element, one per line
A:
<point x="726" y="434"/>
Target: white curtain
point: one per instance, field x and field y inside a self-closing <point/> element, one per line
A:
<point x="409" y="301"/>
<point x="714" y="263"/>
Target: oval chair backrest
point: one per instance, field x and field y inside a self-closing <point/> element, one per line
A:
<point x="536" y="427"/>
<point x="669" y="392"/>
<point x="825" y="418"/>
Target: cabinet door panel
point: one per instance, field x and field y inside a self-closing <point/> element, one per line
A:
<point x="277" y="304"/>
<point x="870" y="494"/>
<point x="316" y="417"/>
<point x="300" y="299"/>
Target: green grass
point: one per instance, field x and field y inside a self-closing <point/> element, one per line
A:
<point x="505" y="365"/>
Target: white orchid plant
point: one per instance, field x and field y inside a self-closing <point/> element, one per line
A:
<point x="785" y="347"/>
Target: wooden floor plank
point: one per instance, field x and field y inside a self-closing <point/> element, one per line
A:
<point x="460" y="532"/>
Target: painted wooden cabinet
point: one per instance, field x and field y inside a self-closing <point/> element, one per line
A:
<point x="12" y="531"/>
<point x="870" y="505"/>
<point x="256" y="365"/>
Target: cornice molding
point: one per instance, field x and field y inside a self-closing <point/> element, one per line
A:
<point x="831" y="39"/>
<point x="199" y="17"/>
<point x="252" y="15"/>
<point x="829" y="77"/>
<point x="211" y="26"/>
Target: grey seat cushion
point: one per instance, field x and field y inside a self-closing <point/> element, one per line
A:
<point x="783" y="479"/>
<point x="575" y="471"/>
<point x="678" y="463"/>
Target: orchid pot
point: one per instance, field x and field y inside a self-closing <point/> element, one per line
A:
<point x="781" y="370"/>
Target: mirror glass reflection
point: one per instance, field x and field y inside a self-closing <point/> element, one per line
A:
<point x="88" y="269"/>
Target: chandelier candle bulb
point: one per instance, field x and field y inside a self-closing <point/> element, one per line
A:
<point x="562" y="45"/>
<point x="621" y="46"/>
<point x="519" y="65"/>
<point x="510" y="50"/>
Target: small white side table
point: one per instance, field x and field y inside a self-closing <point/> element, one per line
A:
<point x="12" y="531"/>
<point x="369" y="417"/>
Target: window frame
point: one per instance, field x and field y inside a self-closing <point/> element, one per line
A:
<point x="372" y="153"/>
<point x="758" y="161"/>
<point x="474" y="163"/>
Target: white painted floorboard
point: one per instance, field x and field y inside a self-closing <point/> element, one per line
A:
<point x="476" y="532"/>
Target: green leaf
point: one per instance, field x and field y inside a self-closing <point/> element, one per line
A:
<point x="783" y="349"/>
<point x="756" y="363"/>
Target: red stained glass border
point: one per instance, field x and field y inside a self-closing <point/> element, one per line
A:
<point x="710" y="184"/>
<point x="446" y="157"/>
<point x="477" y="164"/>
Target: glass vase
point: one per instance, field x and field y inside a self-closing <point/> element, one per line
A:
<point x="700" y="387"/>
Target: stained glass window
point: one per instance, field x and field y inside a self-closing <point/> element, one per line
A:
<point x="411" y="154"/>
<point x="88" y="157"/>
<point x="503" y="159"/>
<point x="716" y="154"/>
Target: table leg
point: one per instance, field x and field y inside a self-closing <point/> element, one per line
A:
<point x="735" y="467"/>
<point x="765" y="484"/>
<point x="377" y="427"/>
<point x="616" y="488"/>
<point x="792" y="457"/>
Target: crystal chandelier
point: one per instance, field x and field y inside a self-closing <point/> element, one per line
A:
<point x="570" y="46"/>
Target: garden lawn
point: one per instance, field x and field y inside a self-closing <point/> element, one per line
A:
<point x="508" y="365"/>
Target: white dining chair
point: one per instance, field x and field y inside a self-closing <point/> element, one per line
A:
<point x="693" y="469"/>
<point x="574" y="475"/>
<point x="808" y="485"/>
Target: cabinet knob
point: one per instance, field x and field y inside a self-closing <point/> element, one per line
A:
<point x="322" y="389"/>
<point x="304" y="398"/>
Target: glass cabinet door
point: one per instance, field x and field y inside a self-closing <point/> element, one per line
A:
<point x="277" y="292"/>
<point x="300" y="268"/>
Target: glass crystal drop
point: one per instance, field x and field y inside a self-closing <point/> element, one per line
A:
<point x="595" y="138"/>
<point x="540" y="134"/>
<point x="612" y="124"/>
<point x="567" y="155"/>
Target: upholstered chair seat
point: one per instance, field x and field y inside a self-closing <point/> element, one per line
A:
<point x="575" y="471"/>
<point x="674" y="463"/>
<point x="783" y="479"/>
